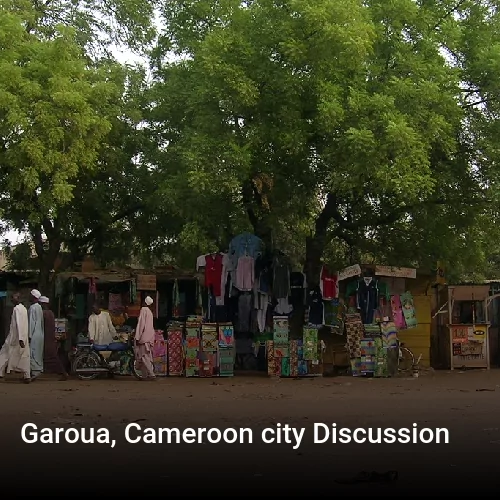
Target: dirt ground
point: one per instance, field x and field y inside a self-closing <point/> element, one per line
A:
<point x="466" y="403"/>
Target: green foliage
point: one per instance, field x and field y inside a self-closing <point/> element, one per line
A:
<point x="359" y="103"/>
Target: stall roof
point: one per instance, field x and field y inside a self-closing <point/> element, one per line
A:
<point x="101" y="276"/>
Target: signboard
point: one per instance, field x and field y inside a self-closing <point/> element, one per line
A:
<point x="469" y="346"/>
<point x="349" y="272"/>
<point x="146" y="282"/>
<point x="395" y="272"/>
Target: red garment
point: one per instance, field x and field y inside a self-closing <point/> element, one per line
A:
<point x="329" y="284"/>
<point x="213" y="273"/>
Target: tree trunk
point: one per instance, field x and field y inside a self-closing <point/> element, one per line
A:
<point x="47" y="254"/>
<point x="258" y="214"/>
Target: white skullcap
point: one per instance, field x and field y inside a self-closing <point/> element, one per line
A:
<point x="43" y="299"/>
<point x="148" y="300"/>
<point x="36" y="294"/>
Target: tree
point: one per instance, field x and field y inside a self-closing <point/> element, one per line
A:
<point x="58" y="109"/>
<point x="354" y="116"/>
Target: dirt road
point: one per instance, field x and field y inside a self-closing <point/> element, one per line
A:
<point x="467" y="404"/>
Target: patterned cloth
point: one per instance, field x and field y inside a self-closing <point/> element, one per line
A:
<point x="381" y="368"/>
<point x="334" y="314"/>
<point x="354" y="333"/>
<point x="209" y="337"/>
<point x="408" y="310"/>
<point x="226" y="362"/>
<point x="160" y="346"/>
<point x="389" y="334"/>
<point x="294" y="358"/>
<point x="192" y="363"/>
<point x="368" y="355"/>
<point x="175" y="352"/>
<point x="273" y="364"/>
<point x="226" y="335"/>
<point x="397" y="312"/>
<point x="311" y="344"/>
<point x="208" y="364"/>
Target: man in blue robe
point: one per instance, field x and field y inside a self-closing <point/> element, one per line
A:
<point x="36" y="334"/>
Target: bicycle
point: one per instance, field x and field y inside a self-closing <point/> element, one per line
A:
<point x="406" y="359"/>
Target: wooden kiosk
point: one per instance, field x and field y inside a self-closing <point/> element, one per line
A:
<point x="469" y="326"/>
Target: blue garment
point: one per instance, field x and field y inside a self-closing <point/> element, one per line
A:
<point x="244" y="244"/>
<point x="36" y="336"/>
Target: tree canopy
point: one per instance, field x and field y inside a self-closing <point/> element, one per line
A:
<point x="339" y="131"/>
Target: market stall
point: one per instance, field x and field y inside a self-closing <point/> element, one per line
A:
<point x="468" y="326"/>
<point x="377" y="307"/>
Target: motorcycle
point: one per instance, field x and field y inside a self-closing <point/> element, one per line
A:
<point x="88" y="362"/>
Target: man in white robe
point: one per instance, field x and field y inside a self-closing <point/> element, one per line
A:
<point x="15" y="353"/>
<point x="36" y="334"/>
<point x="144" y="341"/>
<point x="101" y="329"/>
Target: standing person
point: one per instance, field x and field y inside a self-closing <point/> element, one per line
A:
<point x="101" y="329"/>
<point x="144" y="340"/>
<point x="36" y="335"/>
<point x="15" y="353"/>
<point x="51" y="361"/>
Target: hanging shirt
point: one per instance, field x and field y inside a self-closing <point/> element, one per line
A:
<point x="245" y="274"/>
<point x="367" y="299"/>
<point x="244" y="244"/>
<point x="213" y="273"/>
<point x="315" y="303"/>
<point x="329" y="284"/>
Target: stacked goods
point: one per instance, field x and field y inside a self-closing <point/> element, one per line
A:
<point x="160" y="354"/>
<point x="175" y="350"/>
<point x="226" y="350"/>
<point x="208" y="355"/>
<point x="192" y="348"/>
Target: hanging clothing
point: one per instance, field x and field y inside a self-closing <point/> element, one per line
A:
<point x="245" y="275"/>
<point x="51" y="361"/>
<point x="281" y="278"/>
<point x="213" y="273"/>
<point x="316" y="309"/>
<point x="262" y="306"/>
<point x="92" y="287"/>
<point x="133" y="291"/>
<point x="201" y="261"/>
<point x="144" y="342"/>
<point x="397" y="312"/>
<point x="13" y="357"/>
<point x="35" y="320"/>
<point x="329" y="284"/>
<point x="224" y="279"/>
<point x="114" y="302"/>
<point x="283" y="307"/>
<point x="244" y="312"/>
<point x="263" y="266"/>
<point x="367" y="299"/>
<point x="298" y="287"/>
<point x="176" y="300"/>
<point x="408" y="310"/>
<point x="101" y="329"/>
<point x="383" y="312"/>
<point x="244" y="244"/>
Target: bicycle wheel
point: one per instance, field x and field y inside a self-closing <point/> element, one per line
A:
<point x="86" y="360"/>
<point x="406" y="360"/>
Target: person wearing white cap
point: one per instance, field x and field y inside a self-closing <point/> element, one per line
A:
<point x="36" y="334"/>
<point x="51" y="361"/>
<point x="15" y="353"/>
<point x="144" y="341"/>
